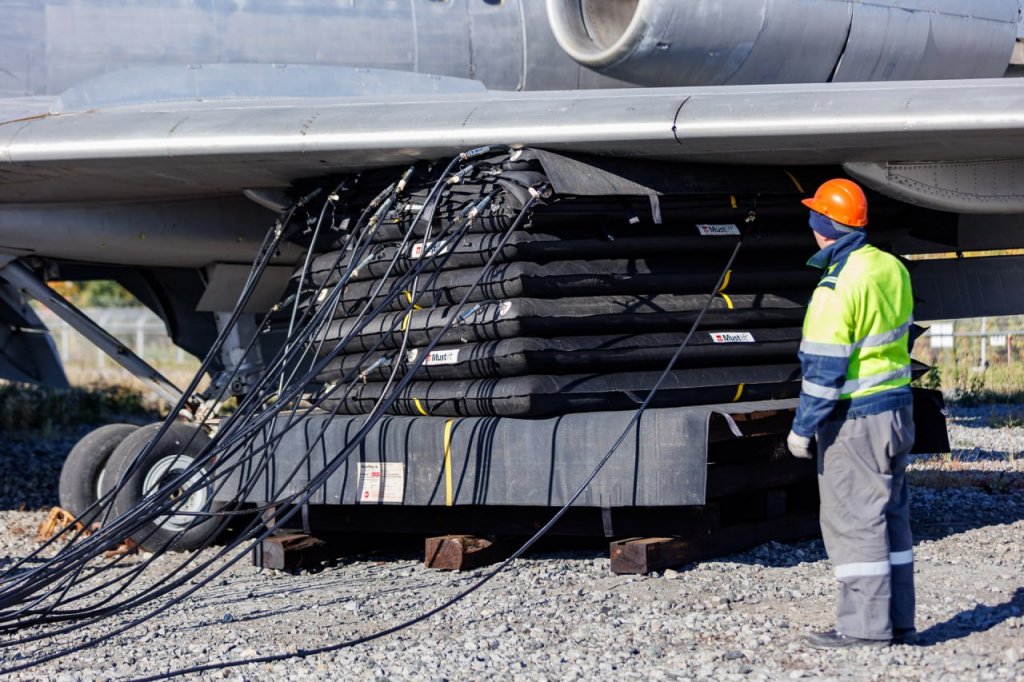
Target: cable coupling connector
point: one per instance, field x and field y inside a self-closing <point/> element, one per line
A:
<point x="464" y="316"/>
<point x="470" y="213"/>
<point x="481" y="151"/>
<point x="404" y="180"/>
<point x="458" y="178"/>
<point x="308" y="198"/>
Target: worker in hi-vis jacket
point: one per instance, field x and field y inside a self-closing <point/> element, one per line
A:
<point x="856" y="402"/>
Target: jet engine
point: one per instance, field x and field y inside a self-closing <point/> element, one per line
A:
<point x="710" y="42"/>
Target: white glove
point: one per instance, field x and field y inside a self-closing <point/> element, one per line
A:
<point x="799" y="445"/>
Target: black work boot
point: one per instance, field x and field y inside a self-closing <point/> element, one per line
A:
<point x="904" y="636"/>
<point x="836" y="640"/>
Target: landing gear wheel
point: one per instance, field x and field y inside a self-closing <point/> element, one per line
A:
<point x="172" y="455"/>
<point x="82" y="477"/>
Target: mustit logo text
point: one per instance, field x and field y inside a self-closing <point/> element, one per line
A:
<point x="731" y="337"/>
<point x="718" y="230"/>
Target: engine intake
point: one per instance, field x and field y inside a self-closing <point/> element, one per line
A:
<point x="713" y="42"/>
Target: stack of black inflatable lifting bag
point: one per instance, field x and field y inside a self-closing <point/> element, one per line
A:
<point x="584" y="305"/>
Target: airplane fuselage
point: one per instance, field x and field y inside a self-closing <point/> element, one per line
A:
<point x="47" y="46"/>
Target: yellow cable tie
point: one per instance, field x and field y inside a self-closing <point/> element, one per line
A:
<point x="796" y="182"/>
<point x="725" y="282"/>
<point x="739" y="392"/>
<point x="732" y="201"/>
<point x="419" y="407"/>
<point x="728" y="301"/>
<point x="448" y="462"/>
<point x="405" y="320"/>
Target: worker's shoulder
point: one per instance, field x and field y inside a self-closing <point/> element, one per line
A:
<point x="871" y="272"/>
<point x="869" y="260"/>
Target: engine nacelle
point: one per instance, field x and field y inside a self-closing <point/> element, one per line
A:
<point x="712" y="42"/>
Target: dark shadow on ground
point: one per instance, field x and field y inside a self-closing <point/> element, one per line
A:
<point x="988" y="416"/>
<point x="946" y="517"/>
<point x="979" y="619"/>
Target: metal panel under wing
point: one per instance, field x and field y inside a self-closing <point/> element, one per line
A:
<point x="989" y="232"/>
<point x="987" y="186"/>
<point x="177" y="233"/>
<point x="225" y="282"/>
<point x="967" y="287"/>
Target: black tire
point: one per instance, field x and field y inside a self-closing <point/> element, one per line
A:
<point x="172" y="454"/>
<point x="82" y="475"/>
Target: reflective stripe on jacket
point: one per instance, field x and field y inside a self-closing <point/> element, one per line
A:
<point x="855" y="353"/>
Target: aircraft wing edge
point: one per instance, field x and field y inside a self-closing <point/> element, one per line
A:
<point x="800" y="124"/>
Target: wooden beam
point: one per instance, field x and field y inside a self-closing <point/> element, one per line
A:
<point x="293" y="551"/>
<point x="643" y="555"/>
<point x="461" y="552"/>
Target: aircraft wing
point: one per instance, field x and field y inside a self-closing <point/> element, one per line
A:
<point x="72" y="178"/>
<point x="212" y="148"/>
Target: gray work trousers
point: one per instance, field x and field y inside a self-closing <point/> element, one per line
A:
<point x="865" y="520"/>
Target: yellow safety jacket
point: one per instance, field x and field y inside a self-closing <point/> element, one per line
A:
<point x="855" y="353"/>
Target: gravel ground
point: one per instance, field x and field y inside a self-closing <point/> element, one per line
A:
<point x="566" y="616"/>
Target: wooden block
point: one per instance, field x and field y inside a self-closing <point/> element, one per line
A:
<point x="293" y="551"/>
<point x="57" y="521"/>
<point x="268" y="517"/>
<point x="461" y="552"/>
<point x="643" y="555"/>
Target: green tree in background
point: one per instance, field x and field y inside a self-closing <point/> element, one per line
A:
<point x="100" y="293"/>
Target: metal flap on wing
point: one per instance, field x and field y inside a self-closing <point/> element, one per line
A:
<point x="588" y="175"/>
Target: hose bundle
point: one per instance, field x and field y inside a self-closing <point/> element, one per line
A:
<point x="336" y="342"/>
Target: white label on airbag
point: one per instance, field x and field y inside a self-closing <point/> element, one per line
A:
<point x="718" y="230"/>
<point x="381" y="482"/>
<point x="430" y="248"/>
<point x="442" y="357"/>
<point x="731" y="337"/>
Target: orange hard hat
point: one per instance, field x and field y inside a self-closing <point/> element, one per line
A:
<point x="841" y="200"/>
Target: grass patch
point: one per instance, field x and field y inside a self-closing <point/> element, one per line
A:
<point x="27" y="407"/>
<point x="1007" y="421"/>
<point x="970" y="386"/>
